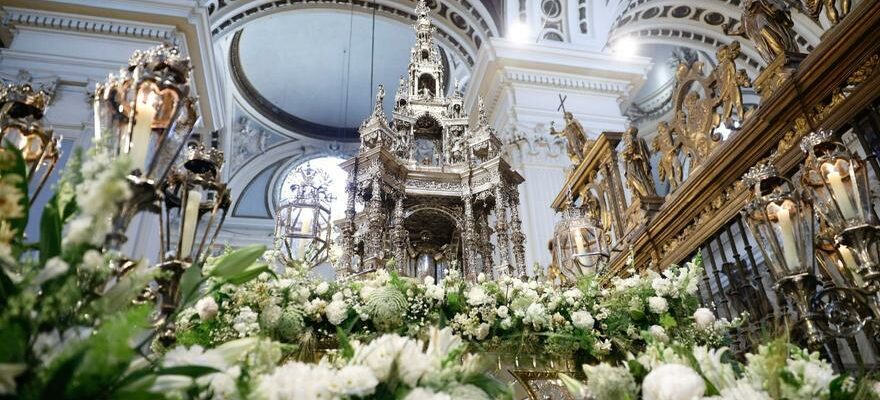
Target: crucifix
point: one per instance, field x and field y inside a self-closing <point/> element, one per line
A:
<point x="561" y="103"/>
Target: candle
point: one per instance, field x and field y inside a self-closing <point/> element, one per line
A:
<point x="840" y="194"/>
<point x="789" y="245"/>
<point x="140" y="133"/>
<point x="579" y="244"/>
<point x="849" y="260"/>
<point x="304" y="230"/>
<point x="190" y="220"/>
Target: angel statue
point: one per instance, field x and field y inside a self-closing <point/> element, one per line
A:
<point x="669" y="166"/>
<point x="729" y="82"/>
<point x="768" y="24"/>
<point x="638" y="164"/>
<point x="577" y="142"/>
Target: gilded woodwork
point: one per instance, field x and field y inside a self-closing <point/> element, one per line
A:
<point x="837" y="80"/>
<point x="577" y="142"/>
<point x="768" y="24"/>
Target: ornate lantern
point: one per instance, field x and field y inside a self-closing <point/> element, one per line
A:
<point x="302" y="222"/>
<point x="21" y="112"/>
<point x="194" y="208"/>
<point x="838" y="181"/>
<point x="580" y="245"/>
<point x="135" y="111"/>
<point x="145" y="113"/>
<point x="782" y="222"/>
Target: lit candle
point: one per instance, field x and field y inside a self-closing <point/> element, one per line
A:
<point x="140" y="133"/>
<point x="789" y="245"/>
<point x="190" y="220"/>
<point x="840" y="194"/>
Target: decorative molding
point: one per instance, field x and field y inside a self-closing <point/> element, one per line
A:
<point x="568" y="82"/>
<point x="250" y="139"/>
<point x="74" y="23"/>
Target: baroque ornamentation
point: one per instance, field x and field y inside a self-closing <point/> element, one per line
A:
<point x="768" y="24"/>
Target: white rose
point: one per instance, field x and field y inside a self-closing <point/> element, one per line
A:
<point x="673" y="382"/>
<point x="207" y="308"/>
<point x="477" y="296"/>
<point x="322" y="288"/>
<point x="337" y="312"/>
<point x="704" y="318"/>
<point x="435" y="292"/>
<point x="657" y="305"/>
<point x="506" y="323"/>
<point x="582" y="319"/>
<point x="658" y="333"/>
<point x="481" y="277"/>
<point x="429" y="280"/>
<point x="502" y="312"/>
<point x="338" y="296"/>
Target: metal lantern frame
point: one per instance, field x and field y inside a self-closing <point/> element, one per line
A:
<point x="21" y="114"/>
<point x="302" y="223"/>
<point x="146" y="113"/>
<point x="580" y="245"/>
<point x="782" y="222"/>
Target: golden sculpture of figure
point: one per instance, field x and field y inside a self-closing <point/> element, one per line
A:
<point x="813" y="7"/>
<point x="729" y="82"/>
<point x="669" y="166"/>
<point x="638" y="164"/>
<point x="575" y="137"/>
<point x="768" y="24"/>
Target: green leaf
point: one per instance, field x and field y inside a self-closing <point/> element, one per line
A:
<point x="15" y="172"/>
<point x="189" y="284"/>
<point x="50" y="232"/>
<point x="249" y="273"/>
<point x="192" y="371"/>
<point x="126" y="289"/>
<point x="236" y="262"/>
<point x="14" y="337"/>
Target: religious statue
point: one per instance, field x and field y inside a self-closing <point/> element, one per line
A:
<point x="729" y="82"/>
<point x="813" y="7"/>
<point x="577" y="142"/>
<point x="638" y="164"/>
<point x="669" y="166"/>
<point x="768" y="24"/>
<point x="380" y="98"/>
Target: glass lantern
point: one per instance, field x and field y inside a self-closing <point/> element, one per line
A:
<point x="136" y="111"/>
<point x="21" y="112"/>
<point x="782" y="222"/>
<point x="196" y="203"/>
<point x="302" y="221"/>
<point x="580" y="246"/>
<point x="838" y="181"/>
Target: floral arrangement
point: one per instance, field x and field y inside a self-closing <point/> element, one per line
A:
<point x="508" y="315"/>
<point x="672" y="371"/>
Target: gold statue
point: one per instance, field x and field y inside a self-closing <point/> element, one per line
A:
<point x="729" y="81"/>
<point x="637" y="159"/>
<point x="768" y="24"/>
<point x="669" y="166"/>
<point x="577" y="142"/>
<point x="813" y="7"/>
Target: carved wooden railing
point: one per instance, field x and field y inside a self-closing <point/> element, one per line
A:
<point x="836" y="87"/>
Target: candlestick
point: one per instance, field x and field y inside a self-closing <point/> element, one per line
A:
<point x="849" y="261"/>
<point x="840" y="194"/>
<point x="789" y="244"/>
<point x="140" y="133"/>
<point x="190" y="220"/>
<point x="304" y="229"/>
<point x="581" y="248"/>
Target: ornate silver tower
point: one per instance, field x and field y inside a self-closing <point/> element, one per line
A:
<point x="434" y="190"/>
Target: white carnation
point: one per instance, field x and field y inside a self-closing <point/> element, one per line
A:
<point x="704" y="318"/>
<point x="582" y="319"/>
<point x="337" y="312"/>
<point x="657" y="305"/>
<point x="673" y="382"/>
<point x="426" y="394"/>
<point x="477" y="296"/>
<point x="658" y="333"/>
<point x="207" y="308"/>
<point x="322" y="288"/>
<point x="502" y="312"/>
<point x="482" y="331"/>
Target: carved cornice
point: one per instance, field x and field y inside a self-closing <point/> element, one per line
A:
<point x="74" y="23"/>
<point x="572" y="82"/>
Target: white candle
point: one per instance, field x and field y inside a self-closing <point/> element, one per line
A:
<point x="840" y="194"/>
<point x="305" y="229"/>
<point x="190" y="220"/>
<point x="140" y="134"/>
<point x="579" y="244"/>
<point x="849" y="260"/>
<point x="789" y="245"/>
